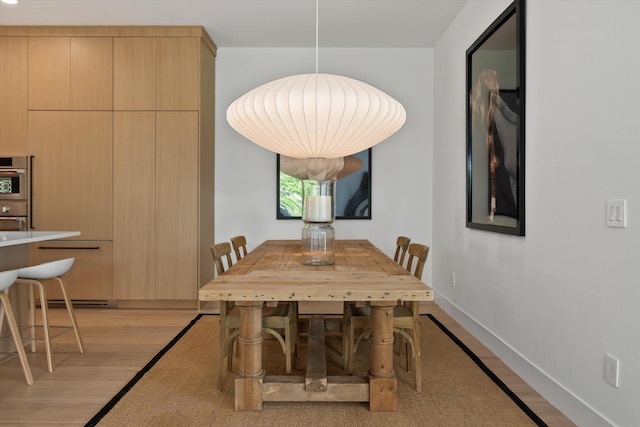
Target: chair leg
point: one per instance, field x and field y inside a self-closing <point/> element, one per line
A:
<point x="346" y="322"/>
<point x="409" y="357"/>
<point x="11" y="320"/>
<point x="292" y="334"/>
<point x="228" y="349"/>
<point x="287" y="345"/>
<point x="295" y="332"/>
<point x="72" y="314"/>
<point x="351" y="337"/>
<point x="402" y="346"/>
<point x="222" y="350"/>
<point x="417" y="358"/>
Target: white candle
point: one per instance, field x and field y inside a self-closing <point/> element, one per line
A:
<point x="318" y="208"/>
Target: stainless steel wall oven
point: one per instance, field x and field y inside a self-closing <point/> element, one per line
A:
<point x="14" y="193"/>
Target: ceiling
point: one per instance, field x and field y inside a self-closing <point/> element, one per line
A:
<point x="259" y="23"/>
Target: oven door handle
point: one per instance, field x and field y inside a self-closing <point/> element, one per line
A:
<point x="22" y="223"/>
<point x="4" y="171"/>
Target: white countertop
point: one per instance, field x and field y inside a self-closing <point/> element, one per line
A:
<point x="11" y="238"/>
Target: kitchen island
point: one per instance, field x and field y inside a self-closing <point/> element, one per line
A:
<point x="13" y="238"/>
<point x="14" y="253"/>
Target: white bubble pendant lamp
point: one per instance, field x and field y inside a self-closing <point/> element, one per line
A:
<point x="321" y="116"/>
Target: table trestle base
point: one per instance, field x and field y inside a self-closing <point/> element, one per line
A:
<point x="316" y="385"/>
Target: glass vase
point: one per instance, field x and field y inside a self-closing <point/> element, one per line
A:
<point x="318" y="213"/>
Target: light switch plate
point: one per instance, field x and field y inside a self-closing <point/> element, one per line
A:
<point x="616" y="213"/>
<point x="611" y="370"/>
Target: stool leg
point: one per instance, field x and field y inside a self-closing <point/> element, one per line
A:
<point x="6" y="291"/>
<point x="11" y="320"/>
<point x="45" y="321"/>
<point x="32" y="318"/>
<point x="72" y="315"/>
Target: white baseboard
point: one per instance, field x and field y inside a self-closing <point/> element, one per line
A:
<point x="570" y="405"/>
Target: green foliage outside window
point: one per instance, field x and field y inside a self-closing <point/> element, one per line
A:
<point x="290" y="195"/>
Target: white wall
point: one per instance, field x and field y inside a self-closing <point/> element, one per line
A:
<point x="401" y="166"/>
<point x="552" y="303"/>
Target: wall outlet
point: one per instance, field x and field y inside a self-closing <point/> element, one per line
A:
<point x="611" y="370"/>
<point x="453" y="279"/>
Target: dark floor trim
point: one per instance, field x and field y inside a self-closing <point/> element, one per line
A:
<point x="536" y="419"/>
<point x="106" y="408"/>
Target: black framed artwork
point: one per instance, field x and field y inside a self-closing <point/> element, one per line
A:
<point x="495" y="125"/>
<point x="353" y="190"/>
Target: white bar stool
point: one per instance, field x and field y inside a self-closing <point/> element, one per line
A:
<point x="8" y="278"/>
<point x="33" y="276"/>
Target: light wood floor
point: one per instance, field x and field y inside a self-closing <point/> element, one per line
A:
<point x="119" y="342"/>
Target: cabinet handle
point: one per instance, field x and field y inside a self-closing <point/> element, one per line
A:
<point x="70" y="247"/>
<point x="30" y="197"/>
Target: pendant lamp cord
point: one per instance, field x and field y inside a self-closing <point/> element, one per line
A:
<point x="317" y="1"/>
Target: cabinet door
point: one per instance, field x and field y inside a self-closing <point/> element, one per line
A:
<point x="177" y="205"/>
<point x="134" y="73"/>
<point x="72" y="172"/>
<point x="49" y="73"/>
<point x="90" y="276"/>
<point x="134" y="199"/>
<point x="91" y="73"/>
<point x="13" y="96"/>
<point x="178" y="65"/>
<point x="70" y="73"/>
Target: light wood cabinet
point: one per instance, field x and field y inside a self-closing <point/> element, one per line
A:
<point x="72" y="172"/>
<point x="163" y="164"/>
<point x="13" y="96"/>
<point x="177" y="195"/>
<point x="120" y="121"/>
<point x="156" y="217"/>
<point x="178" y="73"/>
<point x="134" y="73"/>
<point x="91" y="73"/>
<point x="70" y="73"/>
<point x="134" y="205"/>
<point x="89" y="279"/>
<point x="49" y="73"/>
<point x="157" y="73"/>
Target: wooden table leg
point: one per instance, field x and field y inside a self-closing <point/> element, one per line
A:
<point x="383" y="385"/>
<point x="248" y="384"/>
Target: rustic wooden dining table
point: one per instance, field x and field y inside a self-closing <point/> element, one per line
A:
<point x="274" y="272"/>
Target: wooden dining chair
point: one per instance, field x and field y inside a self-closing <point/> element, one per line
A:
<point x="239" y="244"/>
<point x="281" y="317"/>
<point x="417" y="253"/>
<point x="406" y="321"/>
<point x="402" y="244"/>
<point x="220" y="252"/>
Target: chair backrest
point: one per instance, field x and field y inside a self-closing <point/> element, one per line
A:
<point x="419" y="252"/>
<point x="402" y="244"/>
<point x="239" y="244"/>
<point x="219" y="251"/>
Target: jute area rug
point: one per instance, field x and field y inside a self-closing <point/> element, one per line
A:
<point x="178" y="388"/>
